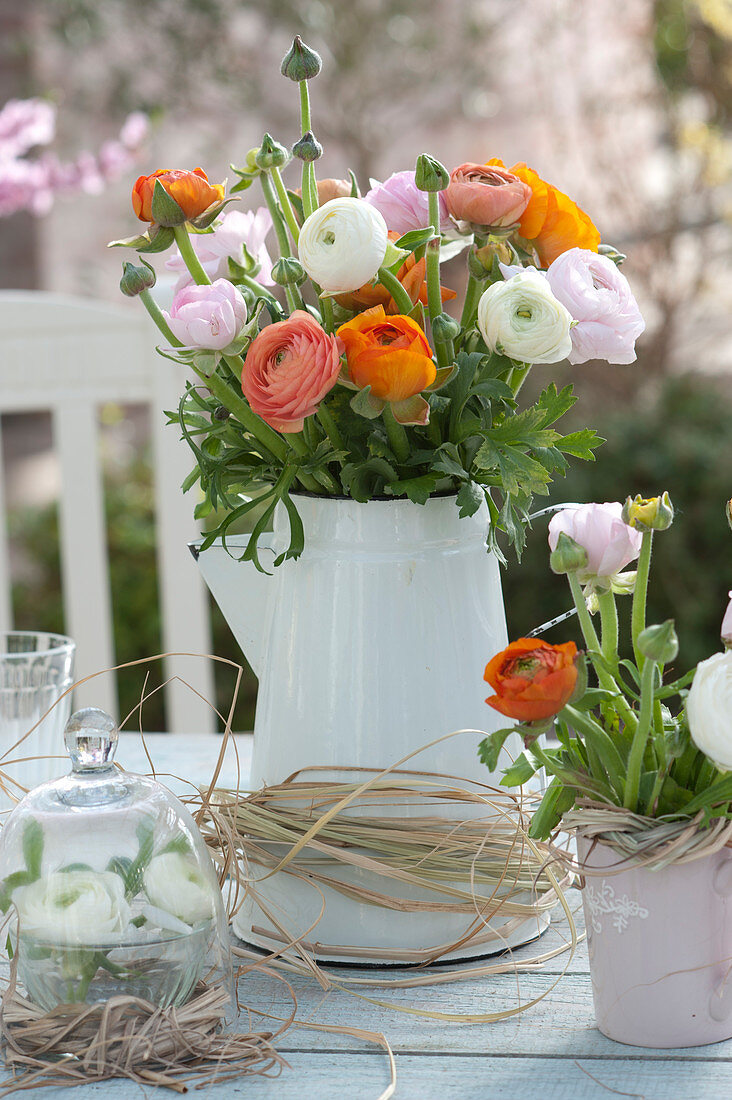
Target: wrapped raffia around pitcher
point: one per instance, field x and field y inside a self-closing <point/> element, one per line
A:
<point x="405" y="842"/>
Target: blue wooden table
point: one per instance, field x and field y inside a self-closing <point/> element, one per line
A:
<point x="551" y="1052"/>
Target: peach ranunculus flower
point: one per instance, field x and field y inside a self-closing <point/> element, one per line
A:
<point x="289" y="368"/>
<point x="191" y="190"/>
<point x="486" y="195"/>
<point x="392" y="356"/>
<point x="552" y="221"/>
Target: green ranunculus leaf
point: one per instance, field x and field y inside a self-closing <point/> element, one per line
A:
<point x="490" y="747"/>
<point x="519" y="772"/>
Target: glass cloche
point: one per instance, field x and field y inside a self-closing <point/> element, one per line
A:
<point x="108" y="884"/>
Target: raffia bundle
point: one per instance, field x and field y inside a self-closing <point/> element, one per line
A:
<point x="129" y="1037"/>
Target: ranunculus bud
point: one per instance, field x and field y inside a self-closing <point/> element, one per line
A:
<point x="445" y="327"/>
<point x="430" y="174"/>
<point x="300" y="62"/>
<point x="612" y="253"/>
<point x="567" y="556"/>
<point x="221" y="413"/>
<point x="728" y="512"/>
<point x="652" y="514"/>
<point x="271" y="154"/>
<point x="288" y="272"/>
<point x="136" y="279"/>
<point x="659" y="643"/>
<point x="307" y="148"/>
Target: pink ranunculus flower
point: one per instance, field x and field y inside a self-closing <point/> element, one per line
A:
<point x="610" y="543"/>
<point x="403" y="206"/>
<point x="601" y="302"/>
<point x="231" y="231"/>
<point x="289" y="368"/>
<point x="207" y="316"/>
<point x="726" y="631"/>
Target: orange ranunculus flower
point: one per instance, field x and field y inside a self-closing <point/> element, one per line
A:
<point x="552" y="221"/>
<point x="412" y="277"/>
<point x="532" y="679"/>
<point x="191" y="190"/>
<point x="486" y="195"/>
<point x="390" y="354"/>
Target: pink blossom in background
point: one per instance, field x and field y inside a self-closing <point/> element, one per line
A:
<point x="208" y="317"/>
<point x="610" y="543"/>
<point x="403" y="206"/>
<point x="235" y="229"/>
<point x="25" y="123"/>
<point x="601" y="302"/>
<point x="33" y="183"/>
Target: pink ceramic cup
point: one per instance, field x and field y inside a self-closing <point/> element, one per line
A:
<point x="660" y="946"/>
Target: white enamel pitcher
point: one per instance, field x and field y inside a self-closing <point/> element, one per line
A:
<point x="370" y="645"/>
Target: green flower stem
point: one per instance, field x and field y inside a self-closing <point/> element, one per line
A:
<point x="285" y="205"/>
<point x="640" y="737"/>
<point x="387" y="279"/>
<point x="258" y="289"/>
<point x="296" y="441"/>
<point x="294" y="298"/>
<point x="640" y="595"/>
<point x="326" y="311"/>
<point x="609" y="627"/>
<point x="519" y="375"/>
<point x="443" y="348"/>
<point x="190" y="258"/>
<point x="156" y="313"/>
<point x="604" y="678"/>
<point x="309" y="186"/>
<point x="331" y="428"/>
<point x="473" y="292"/>
<point x="396" y="434"/>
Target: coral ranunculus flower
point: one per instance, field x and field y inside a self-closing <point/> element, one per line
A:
<point x="552" y="221"/>
<point x="532" y="679"/>
<point x="191" y="190"/>
<point x="390" y="354"/>
<point x="289" y="368"/>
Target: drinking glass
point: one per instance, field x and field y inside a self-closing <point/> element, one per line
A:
<point x="36" y="669"/>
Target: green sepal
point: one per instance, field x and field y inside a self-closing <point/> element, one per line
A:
<point x="413" y="410"/>
<point x="414" y="238"/>
<point x="365" y="404"/>
<point x="158" y="238"/>
<point x="209" y="216"/>
<point x="443" y="376"/>
<point x="164" y="209"/>
<point x="394" y="255"/>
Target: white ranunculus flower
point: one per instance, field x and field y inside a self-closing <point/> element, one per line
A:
<point x="342" y="244"/>
<point x="709" y="709"/>
<point x="175" y="883"/>
<point x="522" y="319"/>
<point x="85" y="908"/>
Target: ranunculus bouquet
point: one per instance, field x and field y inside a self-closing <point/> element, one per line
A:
<point x="336" y="369"/>
<point x="660" y="748"/>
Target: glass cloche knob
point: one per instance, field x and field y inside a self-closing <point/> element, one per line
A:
<point x="91" y="737"/>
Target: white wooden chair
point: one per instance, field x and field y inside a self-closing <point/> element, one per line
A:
<point x="70" y="356"/>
